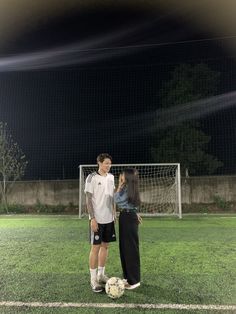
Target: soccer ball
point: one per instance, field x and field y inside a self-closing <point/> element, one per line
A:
<point x="115" y="287"/>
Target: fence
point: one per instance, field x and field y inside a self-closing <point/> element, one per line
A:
<point x="194" y="190"/>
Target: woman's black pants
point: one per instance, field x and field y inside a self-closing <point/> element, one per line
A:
<point x="129" y="246"/>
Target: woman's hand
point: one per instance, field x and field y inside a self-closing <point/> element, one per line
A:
<point x="140" y="220"/>
<point x="121" y="180"/>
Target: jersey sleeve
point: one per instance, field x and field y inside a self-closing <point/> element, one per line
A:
<point x="89" y="184"/>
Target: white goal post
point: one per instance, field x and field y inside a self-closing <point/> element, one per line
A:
<point x="160" y="187"/>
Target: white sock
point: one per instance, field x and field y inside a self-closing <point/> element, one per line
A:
<point x="93" y="274"/>
<point x="101" y="270"/>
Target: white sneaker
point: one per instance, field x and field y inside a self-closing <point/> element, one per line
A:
<point x="102" y="279"/>
<point x="96" y="287"/>
<point x="131" y="287"/>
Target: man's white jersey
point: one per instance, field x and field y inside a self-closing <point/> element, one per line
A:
<point x="102" y="190"/>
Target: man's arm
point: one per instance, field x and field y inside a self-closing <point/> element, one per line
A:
<point x="114" y="211"/>
<point x="93" y="222"/>
<point x="89" y="204"/>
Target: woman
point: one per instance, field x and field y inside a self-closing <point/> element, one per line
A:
<point x="128" y="199"/>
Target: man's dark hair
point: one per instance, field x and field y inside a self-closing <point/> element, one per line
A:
<point x="103" y="156"/>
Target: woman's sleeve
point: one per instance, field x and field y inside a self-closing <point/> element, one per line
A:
<point x="119" y="197"/>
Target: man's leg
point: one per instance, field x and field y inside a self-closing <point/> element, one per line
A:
<point x="102" y="255"/>
<point x="93" y="264"/>
<point x="93" y="256"/>
<point x="102" y="258"/>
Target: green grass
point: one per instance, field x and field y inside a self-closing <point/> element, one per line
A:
<point x="105" y="311"/>
<point x="102" y="311"/>
<point x="45" y="259"/>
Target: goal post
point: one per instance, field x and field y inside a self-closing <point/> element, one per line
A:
<point x="160" y="187"/>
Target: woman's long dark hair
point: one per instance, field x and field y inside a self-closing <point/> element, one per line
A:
<point x="132" y="183"/>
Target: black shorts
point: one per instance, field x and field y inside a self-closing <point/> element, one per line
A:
<point x="105" y="233"/>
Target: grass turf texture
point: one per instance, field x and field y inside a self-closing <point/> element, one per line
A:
<point x="189" y="261"/>
<point x="104" y="311"/>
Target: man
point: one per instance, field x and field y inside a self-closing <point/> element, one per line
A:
<point x="99" y="189"/>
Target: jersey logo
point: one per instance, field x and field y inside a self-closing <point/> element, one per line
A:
<point x="99" y="183"/>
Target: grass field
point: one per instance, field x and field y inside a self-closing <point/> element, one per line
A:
<point x="188" y="261"/>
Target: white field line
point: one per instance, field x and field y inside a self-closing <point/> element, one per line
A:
<point x="120" y="305"/>
<point x="228" y="217"/>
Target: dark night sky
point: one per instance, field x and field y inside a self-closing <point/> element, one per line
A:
<point x="63" y="116"/>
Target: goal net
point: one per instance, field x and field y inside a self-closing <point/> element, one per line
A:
<point x="160" y="189"/>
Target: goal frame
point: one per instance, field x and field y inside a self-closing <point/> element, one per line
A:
<point x="178" y="185"/>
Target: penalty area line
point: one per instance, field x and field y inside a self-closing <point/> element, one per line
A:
<point x="119" y="305"/>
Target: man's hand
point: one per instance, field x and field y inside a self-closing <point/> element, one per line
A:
<point x="94" y="225"/>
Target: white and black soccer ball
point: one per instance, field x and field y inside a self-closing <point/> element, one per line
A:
<point x="115" y="287"/>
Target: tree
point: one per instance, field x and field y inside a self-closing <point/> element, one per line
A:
<point x="12" y="163"/>
<point x="185" y="142"/>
